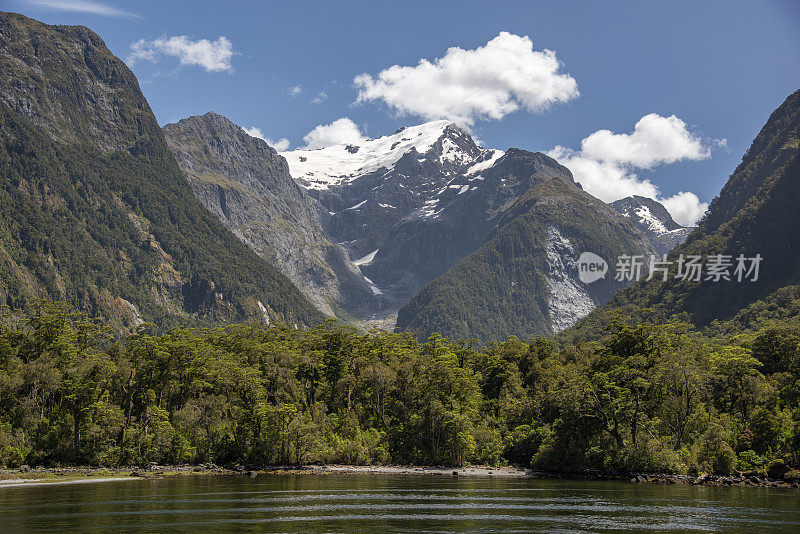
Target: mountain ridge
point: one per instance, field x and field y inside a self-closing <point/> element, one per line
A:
<point x="652" y="218"/>
<point x="95" y="210"/>
<point x="246" y="184"/>
<point x="523" y="280"/>
<point x="756" y="213"/>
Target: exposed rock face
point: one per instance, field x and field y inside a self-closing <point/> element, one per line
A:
<point x="652" y="218"/>
<point x="568" y="299"/>
<point x="247" y="185"/>
<point x="409" y="206"/>
<point x="93" y="208"/>
<point x="523" y="279"/>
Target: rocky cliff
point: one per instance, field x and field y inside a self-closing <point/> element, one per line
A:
<point x="247" y="185"/>
<point x="93" y="208"/>
<point x="652" y="218"/>
<point x="524" y="278"/>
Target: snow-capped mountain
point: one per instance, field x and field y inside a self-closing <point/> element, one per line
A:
<point x="362" y="228"/>
<point x="339" y="165"/>
<point x="409" y="206"/>
<point x="393" y="202"/>
<point x="654" y="220"/>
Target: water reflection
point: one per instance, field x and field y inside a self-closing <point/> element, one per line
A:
<point x="352" y="503"/>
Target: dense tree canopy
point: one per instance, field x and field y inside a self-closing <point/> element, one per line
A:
<point x="645" y="398"/>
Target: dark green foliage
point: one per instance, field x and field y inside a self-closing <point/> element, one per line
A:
<point x="646" y="398"/>
<point x="94" y="211"/>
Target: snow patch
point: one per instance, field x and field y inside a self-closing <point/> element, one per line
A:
<point x="652" y="222"/>
<point x="366" y="260"/>
<point x="429" y="208"/>
<point x="263" y="312"/>
<point x="373" y="287"/>
<point x="483" y="165"/>
<point x="357" y="205"/>
<point x="336" y="164"/>
<point x="568" y="301"/>
<point x="452" y="153"/>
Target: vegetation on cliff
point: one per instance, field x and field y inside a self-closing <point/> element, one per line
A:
<point x="93" y="208"/>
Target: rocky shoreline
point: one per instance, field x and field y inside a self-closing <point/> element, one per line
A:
<point x="49" y="475"/>
<point x="739" y="479"/>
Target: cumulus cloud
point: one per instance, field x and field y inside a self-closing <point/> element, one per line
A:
<point x="341" y="131"/>
<point x="213" y="56"/>
<point x="280" y="145"/>
<point x="655" y="140"/>
<point x="488" y="82"/>
<point x="606" y="164"/>
<point x="685" y="207"/>
<point x="83" y="6"/>
<point x="321" y="97"/>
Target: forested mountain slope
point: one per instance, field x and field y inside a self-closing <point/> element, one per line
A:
<point x="95" y="211"/>
<point x="524" y="279"/>
<point x="756" y="213"/>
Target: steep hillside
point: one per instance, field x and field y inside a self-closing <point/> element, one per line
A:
<point x="386" y="196"/>
<point x="652" y="218"/>
<point x="524" y="279"/>
<point x="95" y="211"/>
<point x="247" y="185"/>
<point x="756" y="213"/>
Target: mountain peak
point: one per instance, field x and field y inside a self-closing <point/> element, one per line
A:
<point x="64" y="79"/>
<point x="336" y="165"/>
<point x="647" y="211"/>
<point x="211" y="117"/>
<point x="652" y="218"/>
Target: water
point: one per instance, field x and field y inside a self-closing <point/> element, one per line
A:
<point x="382" y="503"/>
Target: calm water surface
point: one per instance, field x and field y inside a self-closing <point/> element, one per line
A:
<point x="357" y="503"/>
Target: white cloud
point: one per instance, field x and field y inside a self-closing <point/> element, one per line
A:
<point x="655" y="140"/>
<point x="83" y="6"/>
<point x="213" y="56"/>
<point x="607" y="162"/>
<point x="488" y="82"/>
<point x="685" y="207"/>
<point x="341" y="131"/>
<point x="280" y="145"/>
<point x="321" y="97"/>
<point x="294" y="90"/>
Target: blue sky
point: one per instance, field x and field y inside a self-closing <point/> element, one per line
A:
<point x="720" y="67"/>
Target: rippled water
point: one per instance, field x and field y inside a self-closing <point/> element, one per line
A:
<point x="375" y="503"/>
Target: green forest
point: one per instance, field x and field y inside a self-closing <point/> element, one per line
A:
<point x="652" y="398"/>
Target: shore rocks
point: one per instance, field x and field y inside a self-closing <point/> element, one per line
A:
<point x="715" y="480"/>
<point x="156" y="471"/>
